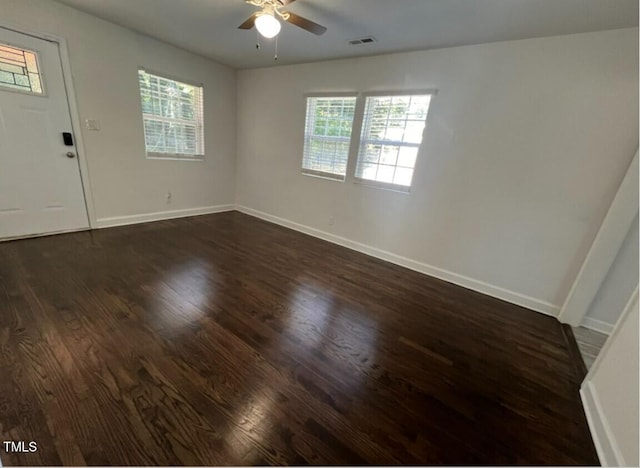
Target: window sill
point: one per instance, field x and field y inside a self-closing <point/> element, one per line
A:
<point x="383" y="185"/>
<point x="175" y="157"/>
<point x="323" y="175"/>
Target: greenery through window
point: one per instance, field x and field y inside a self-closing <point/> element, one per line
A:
<point x="327" y="136"/>
<point x="173" y="117"/>
<point x="391" y="137"/>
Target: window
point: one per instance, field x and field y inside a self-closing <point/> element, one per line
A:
<point x="327" y="136"/>
<point x="392" y="131"/>
<point x="19" y="70"/>
<point x="172" y="114"/>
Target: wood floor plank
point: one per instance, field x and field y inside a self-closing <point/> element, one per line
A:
<point x="226" y="340"/>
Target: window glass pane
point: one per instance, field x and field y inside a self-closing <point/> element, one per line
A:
<point x="389" y="155"/>
<point x="173" y="117"/>
<point x="372" y="153"/>
<point x="36" y="84"/>
<point x="403" y="176"/>
<point x="392" y="132"/>
<point x="327" y="135"/>
<point x="19" y="70"/>
<point x="385" y="173"/>
<point x="22" y="80"/>
<point x="11" y="68"/>
<point x="6" y="77"/>
<point x="413" y="131"/>
<point x="407" y="156"/>
<point x="369" y="171"/>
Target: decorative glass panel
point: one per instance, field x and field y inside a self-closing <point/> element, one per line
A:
<point x="19" y="70"/>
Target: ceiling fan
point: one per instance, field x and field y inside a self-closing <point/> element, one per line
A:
<point x="266" y="21"/>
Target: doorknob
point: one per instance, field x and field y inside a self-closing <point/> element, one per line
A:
<point x="71" y="155"/>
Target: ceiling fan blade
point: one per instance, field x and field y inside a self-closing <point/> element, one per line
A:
<point x="304" y="23"/>
<point x="249" y="23"/>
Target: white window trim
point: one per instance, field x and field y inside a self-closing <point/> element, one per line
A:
<point x="200" y="127"/>
<point x="356" y="128"/>
<point x="382" y="185"/>
<point x="321" y="94"/>
<point x="403" y="92"/>
<point x="175" y="156"/>
<point x="360" y="111"/>
<point x="321" y="174"/>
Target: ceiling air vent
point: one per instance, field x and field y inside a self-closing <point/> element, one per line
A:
<point x="363" y="40"/>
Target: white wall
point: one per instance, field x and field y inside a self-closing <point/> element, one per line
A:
<point x="610" y="393"/>
<point x="526" y="145"/>
<point x="604" y="249"/>
<point x="617" y="286"/>
<point x="104" y="62"/>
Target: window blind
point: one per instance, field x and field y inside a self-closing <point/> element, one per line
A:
<point x="173" y="117"/>
<point x="391" y="137"/>
<point x="327" y="135"/>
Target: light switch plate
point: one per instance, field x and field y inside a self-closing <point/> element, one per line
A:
<point x="92" y="124"/>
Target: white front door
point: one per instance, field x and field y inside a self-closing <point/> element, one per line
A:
<point x="40" y="185"/>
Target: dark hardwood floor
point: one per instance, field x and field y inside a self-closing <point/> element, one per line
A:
<point x="225" y="340"/>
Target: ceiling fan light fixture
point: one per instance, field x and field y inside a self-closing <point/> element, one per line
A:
<point x="268" y="26"/>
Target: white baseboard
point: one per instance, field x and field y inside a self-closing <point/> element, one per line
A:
<point x="464" y="281"/>
<point x="160" y="215"/>
<point x="43" y="234"/>
<point x="606" y="446"/>
<point x="597" y="325"/>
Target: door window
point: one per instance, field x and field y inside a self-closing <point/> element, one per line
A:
<point x="19" y="70"/>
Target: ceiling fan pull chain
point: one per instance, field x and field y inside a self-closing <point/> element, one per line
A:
<point x="276" y="56"/>
<point x="257" y="40"/>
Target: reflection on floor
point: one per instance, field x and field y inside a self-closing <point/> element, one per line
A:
<point x="590" y="343"/>
<point x="225" y="340"/>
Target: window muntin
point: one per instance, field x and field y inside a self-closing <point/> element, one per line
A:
<point x="391" y="137"/>
<point x="173" y="117"/>
<point x="19" y="70"/>
<point x="327" y="135"/>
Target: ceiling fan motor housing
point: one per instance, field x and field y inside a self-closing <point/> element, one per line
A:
<point x="271" y="8"/>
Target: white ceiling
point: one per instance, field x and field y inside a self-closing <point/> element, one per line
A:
<point x="209" y="27"/>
